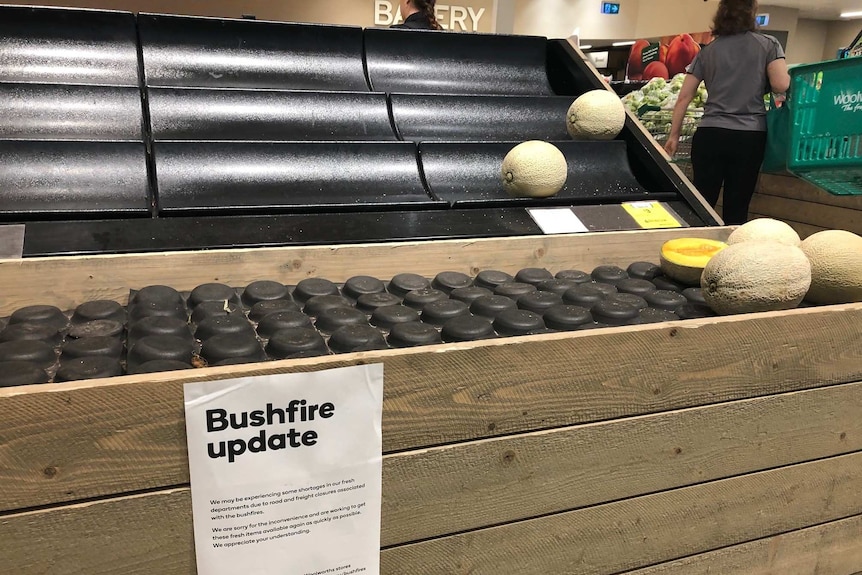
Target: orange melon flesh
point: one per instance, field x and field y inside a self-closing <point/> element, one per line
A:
<point x="683" y="259"/>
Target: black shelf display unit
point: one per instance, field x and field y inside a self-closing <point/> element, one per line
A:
<point x="126" y="133"/>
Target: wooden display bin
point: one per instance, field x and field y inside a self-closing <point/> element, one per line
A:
<point x="726" y="445"/>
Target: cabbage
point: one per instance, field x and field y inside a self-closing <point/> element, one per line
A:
<point x="663" y="94"/>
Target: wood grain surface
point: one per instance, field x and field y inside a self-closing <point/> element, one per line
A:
<point x="152" y="533"/>
<point x="64" y="442"/>
<point x="69" y="281"/>
<point x="470" y="485"/>
<point x="820" y="215"/>
<point x="647" y="530"/>
<point x="795" y="188"/>
<point x="830" y="549"/>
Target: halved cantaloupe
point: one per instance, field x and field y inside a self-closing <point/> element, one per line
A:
<point x="683" y="259"/>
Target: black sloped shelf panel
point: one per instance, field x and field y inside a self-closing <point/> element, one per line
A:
<point x="62" y="46"/>
<point x="469" y="174"/>
<point x="237" y="115"/>
<point x="428" y="62"/>
<point x="79" y="179"/>
<point x="304" y="176"/>
<point x="216" y="53"/>
<point x="428" y="117"/>
<point x="69" y="112"/>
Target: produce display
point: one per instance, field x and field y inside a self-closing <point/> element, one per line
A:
<point x="534" y="169"/>
<point x="161" y="329"/>
<point x="766" y="267"/>
<point x="654" y="104"/>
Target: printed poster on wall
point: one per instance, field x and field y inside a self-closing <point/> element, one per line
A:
<point x="286" y="472"/>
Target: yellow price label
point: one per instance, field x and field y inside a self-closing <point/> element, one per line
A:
<point x="651" y="215"/>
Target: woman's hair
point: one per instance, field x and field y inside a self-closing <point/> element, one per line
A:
<point x="427" y="8"/>
<point x="734" y="17"/>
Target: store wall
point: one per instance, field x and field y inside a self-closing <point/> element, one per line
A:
<point x="840" y="35"/>
<point x="781" y="18"/>
<point x="559" y="18"/>
<point x="670" y="17"/>
<point x="472" y="15"/>
<point x="808" y="42"/>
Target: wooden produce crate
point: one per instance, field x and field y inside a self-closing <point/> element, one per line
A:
<point x="725" y="445"/>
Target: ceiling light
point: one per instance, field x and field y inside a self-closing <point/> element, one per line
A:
<point x="852" y="14"/>
<point x="586" y="46"/>
<point x="629" y="43"/>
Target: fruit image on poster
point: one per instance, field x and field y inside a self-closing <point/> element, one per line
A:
<point x="666" y="58"/>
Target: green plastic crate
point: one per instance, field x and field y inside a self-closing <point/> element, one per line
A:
<point x="826" y="137"/>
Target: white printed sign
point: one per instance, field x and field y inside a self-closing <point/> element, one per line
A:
<point x="286" y="472"/>
<point x="464" y="18"/>
<point x="557" y="220"/>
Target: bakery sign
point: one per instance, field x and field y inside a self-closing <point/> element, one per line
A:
<point x="466" y="16"/>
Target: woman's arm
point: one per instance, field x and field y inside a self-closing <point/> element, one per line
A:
<point x="686" y="95"/>
<point x="779" y="77"/>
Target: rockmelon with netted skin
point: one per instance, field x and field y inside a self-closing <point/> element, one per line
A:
<point x="596" y="115"/>
<point x="751" y="277"/>
<point x="534" y="169"/>
<point x="836" y="267"/>
<point x="683" y="259"/>
<point x="763" y="230"/>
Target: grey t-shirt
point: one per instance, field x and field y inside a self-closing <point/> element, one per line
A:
<point x="734" y="71"/>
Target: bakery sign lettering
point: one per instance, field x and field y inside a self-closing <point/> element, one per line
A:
<point x="450" y="16"/>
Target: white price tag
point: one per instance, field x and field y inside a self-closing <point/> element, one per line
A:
<point x="557" y="220"/>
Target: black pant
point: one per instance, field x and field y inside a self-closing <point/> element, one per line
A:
<point x="729" y="158"/>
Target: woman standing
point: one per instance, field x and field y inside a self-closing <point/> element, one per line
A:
<point x="418" y="15"/>
<point x="738" y="68"/>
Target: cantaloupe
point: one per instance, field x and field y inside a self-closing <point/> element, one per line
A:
<point x="683" y="259"/>
<point x="756" y="276"/>
<point x="836" y="267"/>
<point x="534" y="169"/>
<point x="765" y="229"/>
<point x="596" y="115"/>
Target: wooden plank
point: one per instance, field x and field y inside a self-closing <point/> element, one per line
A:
<point x="646" y="530"/>
<point x="152" y="533"/>
<point x="62" y="442"/>
<point x="74" y="280"/>
<point x="830" y="549"/>
<point x="821" y="215"/>
<point x="466" y="486"/>
<point x="135" y="535"/>
<point x="798" y="189"/>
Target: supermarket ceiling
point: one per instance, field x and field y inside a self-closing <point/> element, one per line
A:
<point x="822" y="9"/>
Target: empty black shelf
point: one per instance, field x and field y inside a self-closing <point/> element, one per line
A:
<point x="56" y="112"/>
<point x="463" y="173"/>
<point x="205" y="114"/>
<point x="431" y="62"/>
<point x="65" y="46"/>
<point x="184" y="51"/>
<point x="231" y="177"/>
<point x="425" y="117"/>
<point x="81" y="179"/>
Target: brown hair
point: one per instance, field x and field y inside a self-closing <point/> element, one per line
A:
<point x="734" y="17"/>
<point x="427" y="8"/>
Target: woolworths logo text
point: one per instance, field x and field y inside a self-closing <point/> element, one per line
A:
<point x="849" y="102"/>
